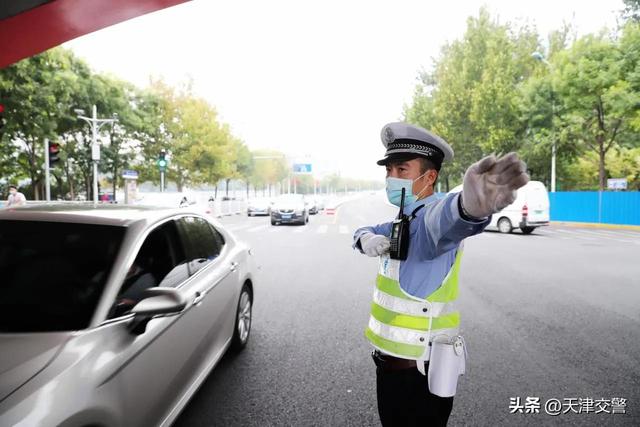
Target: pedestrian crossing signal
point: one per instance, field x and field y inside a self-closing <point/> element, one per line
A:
<point x="162" y="161"/>
<point x="54" y="153"/>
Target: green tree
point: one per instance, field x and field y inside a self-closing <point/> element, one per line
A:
<point x="34" y="92"/>
<point x="200" y="149"/>
<point x="599" y="106"/>
<point x="270" y="167"/>
<point x="471" y="96"/>
<point x="631" y="10"/>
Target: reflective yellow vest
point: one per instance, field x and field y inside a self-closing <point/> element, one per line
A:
<point x="403" y="325"/>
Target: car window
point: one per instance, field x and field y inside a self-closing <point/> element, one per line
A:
<point x="202" y="242"/>
<point x="160" y="261"/>
<point x="52" y="274"/>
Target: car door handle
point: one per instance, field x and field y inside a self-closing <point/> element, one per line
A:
<point x="199" y="297"/>
<point x="234" y="265"/>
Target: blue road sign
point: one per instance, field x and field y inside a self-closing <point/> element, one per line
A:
<point x="129" y="174"/>
<point x="302" y="168"/>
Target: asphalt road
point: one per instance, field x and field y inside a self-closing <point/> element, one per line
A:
<point x="552" y="315"/>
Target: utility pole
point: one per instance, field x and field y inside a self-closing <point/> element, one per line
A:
<point x="540" y="57"/>
<point x="95" y="124"/>
<point x="47" y="176"/>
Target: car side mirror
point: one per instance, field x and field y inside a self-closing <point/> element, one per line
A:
<point x="156" y="302"/>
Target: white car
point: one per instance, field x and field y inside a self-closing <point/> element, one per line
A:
<point x="529" y="211"/>
<point x="259" y="206"/>
<point x="114" y="315"/>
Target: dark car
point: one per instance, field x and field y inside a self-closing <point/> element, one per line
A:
<point x="290" y="209"/>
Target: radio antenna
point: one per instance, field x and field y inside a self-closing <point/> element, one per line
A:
<point x="401" y="213"/>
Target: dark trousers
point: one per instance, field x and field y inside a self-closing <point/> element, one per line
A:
<point x="404" y="399"/>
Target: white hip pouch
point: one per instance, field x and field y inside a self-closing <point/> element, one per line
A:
<point x="446" y="364"/>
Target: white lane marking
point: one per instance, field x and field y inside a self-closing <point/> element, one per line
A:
<point x="607" y="236"/>
<point x="577" y="235"/>
<point x="258" y="228"/>
<point x="301" y="228"/>
<point x="275" y="229"/>
<point x="627" y="235"/>
<point x="344" y="229"/>
<point x="322" y="229"/>
<point x="612" y="233"/>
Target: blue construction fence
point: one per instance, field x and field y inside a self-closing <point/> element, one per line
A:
<point x="607" y="207"/>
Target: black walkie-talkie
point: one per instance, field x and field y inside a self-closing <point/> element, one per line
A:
<point x="399" y="240"/>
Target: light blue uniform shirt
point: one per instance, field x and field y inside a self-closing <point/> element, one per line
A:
<point x="435" y="234"/>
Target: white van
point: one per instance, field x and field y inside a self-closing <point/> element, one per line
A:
<point x="530" y="210"/>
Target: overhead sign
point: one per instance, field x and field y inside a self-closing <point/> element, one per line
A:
<point x="129" y="174"/>
<point x="302" y="168"/>
<point x="617" y="183"/>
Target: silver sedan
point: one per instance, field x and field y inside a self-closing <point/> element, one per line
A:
<point x="113" y="316"/>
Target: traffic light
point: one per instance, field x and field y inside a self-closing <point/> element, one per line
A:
<point x="1" y="116"/>
<point x="54" y="152"/>
<point x="162" y="161"/>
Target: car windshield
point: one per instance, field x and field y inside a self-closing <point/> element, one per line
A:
<point x="52" y="274"/>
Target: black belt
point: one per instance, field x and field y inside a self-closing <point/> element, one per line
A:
<point x="391" y="363"/>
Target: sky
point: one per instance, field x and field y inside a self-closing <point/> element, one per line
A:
<point x="316" y="80"/>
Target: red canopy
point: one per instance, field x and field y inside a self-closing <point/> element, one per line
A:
<point x="28" y="27"/>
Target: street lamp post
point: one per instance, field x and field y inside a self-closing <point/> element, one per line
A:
<point x="95" y="124"/>
<point x="540" y="57"/>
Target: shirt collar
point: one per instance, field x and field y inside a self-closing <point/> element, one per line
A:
<point x="408" y="209"/>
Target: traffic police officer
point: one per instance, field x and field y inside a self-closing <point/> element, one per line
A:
<point x="413" y="302"/>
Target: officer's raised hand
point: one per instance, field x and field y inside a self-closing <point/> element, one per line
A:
<point x="374" y="244"/>
<point x="490" y="185"/>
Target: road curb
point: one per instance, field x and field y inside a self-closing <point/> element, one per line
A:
<point x="596" y="225"/>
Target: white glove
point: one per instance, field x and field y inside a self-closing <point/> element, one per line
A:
<point x="490" y="185"/>
<point x="374" y="244"/>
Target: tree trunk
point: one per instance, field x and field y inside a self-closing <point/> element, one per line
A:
<point x="69" y="179"/>
<point x="115" y="181"/>
<point x="58" y="185"/>
<point x="226" y="189"/>
<point x="33" y="185"/>
<point x="215" y="194"/>
<point x="602" y="178"/>
<point x="87" y="185"/>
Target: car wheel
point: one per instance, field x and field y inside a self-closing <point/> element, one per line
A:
<point x="243" y="320"/>
<point x="504" y="225"/>
<point x="527" y="230"/>
<point x="273" y="222"/>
